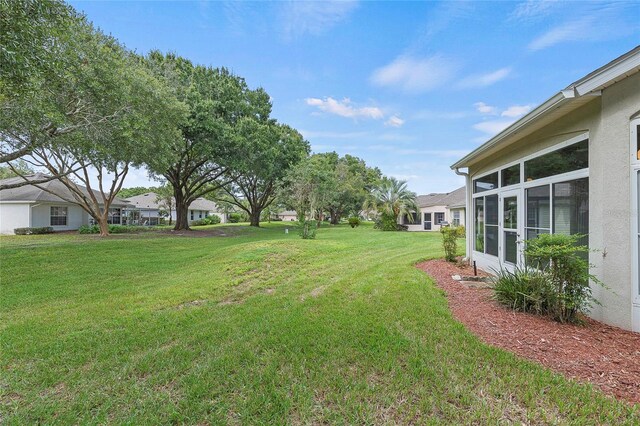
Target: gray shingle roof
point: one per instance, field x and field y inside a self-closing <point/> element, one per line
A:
<point x="31" y="193"/>
<point x="150" y="201"/>
<point x="449" y="199"/>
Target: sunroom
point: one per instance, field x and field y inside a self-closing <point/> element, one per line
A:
<point x="546" y="192"/>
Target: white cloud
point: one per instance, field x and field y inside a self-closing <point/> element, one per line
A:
<point x="394" y="121"/>
<point x="580" y="29"/>
<point x="396" y="137"/>
<point x="484" y="80"/>
<point x="483" y="108"/>
<point x="313" y="17"/>
<point x="344" y="108"/>
<point x="516" y="111"/>
<point x="308" y="134"/>
<point x="533" y="9"/>
<point x="439" y="115"/>
<point x="412" y="74"/>
<point x="493" y="127"/>
<point x="444" y="153"/>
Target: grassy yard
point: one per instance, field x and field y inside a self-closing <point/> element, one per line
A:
<point x="255" y="327"/>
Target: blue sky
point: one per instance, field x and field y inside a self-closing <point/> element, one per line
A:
<point x="409" y="87"/>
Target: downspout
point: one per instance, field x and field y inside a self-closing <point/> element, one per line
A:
<point x="467" y="212"/>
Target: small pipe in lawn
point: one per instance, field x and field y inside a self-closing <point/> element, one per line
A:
<point x="475" y="269"/>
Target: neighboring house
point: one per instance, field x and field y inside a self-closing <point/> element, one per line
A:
<point x="287" y="216"/>
<point x="147" y="210"/>
<point x="572" y="165"/>
<point x="437" y="209"/>
<point x="29" y="206"/>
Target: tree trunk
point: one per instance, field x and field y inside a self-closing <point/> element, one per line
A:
<point x="182" y="211"/>
<point x="104" y="226"/>
<point x="182" y="218"/>
<point x="254" y="218"/>
<point x="335" y="218"/>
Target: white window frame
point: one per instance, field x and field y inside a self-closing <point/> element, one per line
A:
<point x="66" y="215"/>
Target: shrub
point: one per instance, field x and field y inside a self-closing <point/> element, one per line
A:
<point x="235" y="218"/>
<point x="524" y="289"/>
<point x="461" y="230"/>
<point x="113" y="229"/>
<point x="388" y="222"/>
<point x="563" y="258"/>
<point x="209" y="220"/>
<point x="450" y="237"/>
<point x="555" y="282"/>
<point x="308" y="229"/>
<point x="33" y="231"/>
<point x="354" y="221"/>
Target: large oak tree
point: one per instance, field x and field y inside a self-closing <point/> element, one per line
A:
<point x="267" y="151"/>
<point x="201" y="161"/>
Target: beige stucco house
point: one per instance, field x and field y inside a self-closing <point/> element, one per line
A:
<point x="572" y="165"/>
<point x="437" y="209"/>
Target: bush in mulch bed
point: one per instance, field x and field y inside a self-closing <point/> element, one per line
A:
<point x="555" y="282"/>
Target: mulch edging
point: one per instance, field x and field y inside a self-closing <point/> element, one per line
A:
<point x="606" y="356"/>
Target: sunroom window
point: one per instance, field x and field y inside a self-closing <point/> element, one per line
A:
<point x="486" y="224"/>
<point x="485" y="183"/>
<point x="564" y="160"/>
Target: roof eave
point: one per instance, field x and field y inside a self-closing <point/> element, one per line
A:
<point x="552" y="103"/>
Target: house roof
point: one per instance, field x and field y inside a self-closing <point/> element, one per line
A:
<point x="145" y="201"/>
<point x="560" y="104"/>
<point x="449" y="199"/>
<point x="288" y="213"/>
<point x="203" y="204"/>
<point x="149" y="200"/>
<point x="34" y="194"/>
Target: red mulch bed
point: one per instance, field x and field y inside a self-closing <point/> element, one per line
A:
<point x="608" y="357"/>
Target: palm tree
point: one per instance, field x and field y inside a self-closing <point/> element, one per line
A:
<point x="392" y="198"/>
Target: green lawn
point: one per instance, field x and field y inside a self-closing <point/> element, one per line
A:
<point x="256" y="327"/>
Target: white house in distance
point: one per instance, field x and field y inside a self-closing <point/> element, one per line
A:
<point x="436" y="209"/>
<point x="31" y="207"/>
<point x="572" y="165"/>
<point x="146" y="210"/>
<point x="287" y="216"/>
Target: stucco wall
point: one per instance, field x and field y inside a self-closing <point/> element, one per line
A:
<point x="13" y="216"/>
<point x="41" y="216"/>
<point x="448" y="217"/>
<point x="222" y="216"/>
<point x="610" y="200"/>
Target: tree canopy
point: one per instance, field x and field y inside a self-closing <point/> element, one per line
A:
<point x="267" y="151"/>
<point x="202" y="159"/>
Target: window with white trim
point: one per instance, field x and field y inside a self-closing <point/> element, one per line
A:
<point x="456" y="218"/>
<point x="438" y="218"/>
<point x="58" y="216"/>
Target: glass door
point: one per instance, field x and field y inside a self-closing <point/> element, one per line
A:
<point x="509" y="227"/>
<point x="427" y="221"/>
